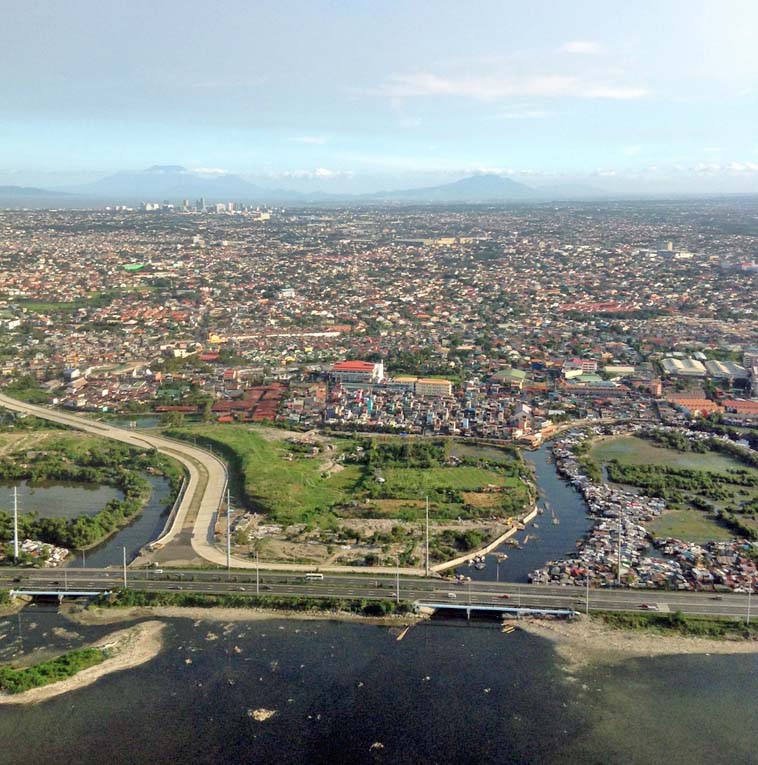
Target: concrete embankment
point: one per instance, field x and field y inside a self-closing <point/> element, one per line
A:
<point x="493" y="545"/>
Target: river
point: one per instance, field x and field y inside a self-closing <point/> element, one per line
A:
<point x="143" y="529"/>
<point x="351" y="693"/>
<point x="546" y="540"/>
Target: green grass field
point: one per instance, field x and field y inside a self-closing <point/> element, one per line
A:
<point x="422" y="482"/>
<point x="689" y="525"/>
<point x="296" y="490"/>
<point x="629" y="450"/>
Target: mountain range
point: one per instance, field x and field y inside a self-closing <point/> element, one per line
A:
<point x="174" y="183"/>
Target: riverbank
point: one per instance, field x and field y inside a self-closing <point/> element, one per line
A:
<point x="95" y="615"/>
<point x="14" y="605"/>
<point x="582" y="642"/>
<point x="126" y="648"/>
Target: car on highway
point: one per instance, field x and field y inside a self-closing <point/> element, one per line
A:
<point x="452" y="596"/>
<point x="648" y="607"/>
<point x="504" y="596"/>
<point x="241" y="589"/>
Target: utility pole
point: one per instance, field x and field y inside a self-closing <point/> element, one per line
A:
<point x="257" y="576"/>
<point x="587" y="577"/>
<point x="397" y="579"/>
<point x="749" y="593"/>
<point x="618" y="571"/>
<point x="228" y="532"/>
<point x="427" y="536"/>
<point x="125" y="583"/>
<point x="15" y="524"/>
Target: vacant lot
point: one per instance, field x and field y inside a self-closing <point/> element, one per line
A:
<point x="690" y="526"/>
<point x="629" y="450"/>
<point x="295" y="486"/>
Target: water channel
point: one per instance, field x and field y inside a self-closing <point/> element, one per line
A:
<point x="542" y="540"/>
<point x="65" y="499"/>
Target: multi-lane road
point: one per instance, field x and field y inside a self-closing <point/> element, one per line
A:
<point x="195" y="517"/>
<point x="379" y="587"/>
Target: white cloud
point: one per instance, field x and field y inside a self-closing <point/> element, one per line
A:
<point x="209" y="171"/>
<point x="315" y="140"/>
<point x="492" y="88"/>
<point x="632" y="151"/>
<point x="525" y="113"/>
<point x="582" y="47"/>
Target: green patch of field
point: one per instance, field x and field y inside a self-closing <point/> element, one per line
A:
<point x="491" y="453"/>
<point x="420" y="482"/>
<point x="294" y="487"/>
<point x="19" y="680"/>
<point x="630" y="450"/>
<point x="689" y="526"/>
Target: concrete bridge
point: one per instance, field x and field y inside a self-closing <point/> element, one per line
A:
<point x="516" y="611"/>
<point x="60" y="594"/>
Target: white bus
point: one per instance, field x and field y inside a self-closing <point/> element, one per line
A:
<point x="313" y="577"/>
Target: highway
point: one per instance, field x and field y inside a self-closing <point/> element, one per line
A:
<point x="378" y="587"/>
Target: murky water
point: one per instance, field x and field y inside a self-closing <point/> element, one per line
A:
<point x="351" y="693"/>
<point x="57" y="499"/>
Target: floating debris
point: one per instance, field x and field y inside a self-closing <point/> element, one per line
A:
<point x="188" y="660"/>
<point x="376" y="746"/>
<point x="237" y="649"/>
<point x="261" y="715"/>
<point x="211" y="636"/>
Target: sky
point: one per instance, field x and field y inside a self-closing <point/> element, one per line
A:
<point x="365" y="95"/>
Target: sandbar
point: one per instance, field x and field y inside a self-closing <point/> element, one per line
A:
<point x="130" y="647"/>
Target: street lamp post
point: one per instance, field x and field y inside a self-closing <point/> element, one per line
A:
<point x="749" y="593"/>
<point x="587" y="577"/>
<point x="257" y="576"/>
<point x="397" y="579"/>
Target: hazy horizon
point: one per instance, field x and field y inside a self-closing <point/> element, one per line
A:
<point x="644" y="99"/>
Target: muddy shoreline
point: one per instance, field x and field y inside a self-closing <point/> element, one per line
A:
<point x="583" y="642"/>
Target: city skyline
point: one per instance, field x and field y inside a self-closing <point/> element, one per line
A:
<point x="640" y="100"/>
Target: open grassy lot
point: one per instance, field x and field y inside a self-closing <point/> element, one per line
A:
<point x="711" y="495"/>
<point x="630" y="450"/>
<point x="424" y="481"/>
<point x="295" y="486"/>
<point x="690" y="526"/>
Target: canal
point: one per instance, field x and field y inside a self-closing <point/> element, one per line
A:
<point x="65" y="499"/>
<point x="543" y="539"/>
